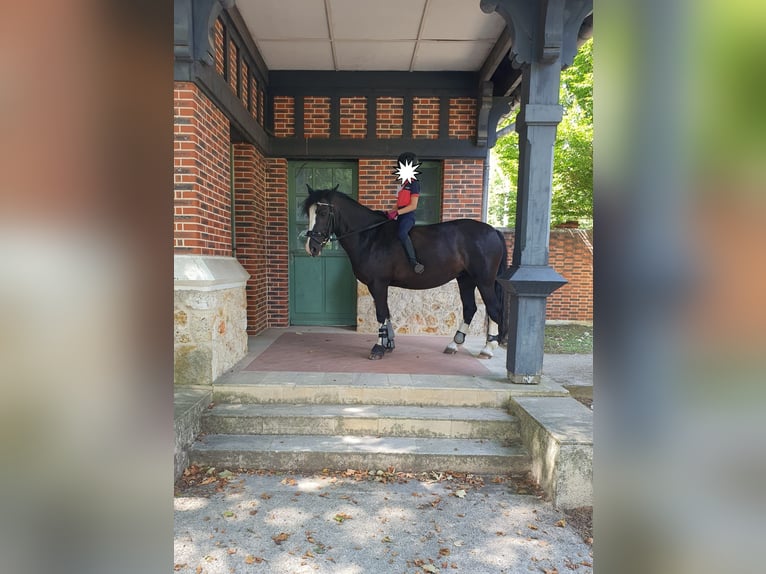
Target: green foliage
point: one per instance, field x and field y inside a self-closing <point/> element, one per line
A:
<point x="572" y="197"/>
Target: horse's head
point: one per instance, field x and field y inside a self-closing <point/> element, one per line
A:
<point x="320" y="209"/>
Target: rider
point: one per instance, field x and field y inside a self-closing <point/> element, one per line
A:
<point x="406" y="204"/>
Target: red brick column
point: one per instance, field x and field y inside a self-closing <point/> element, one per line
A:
<point x="277" y="242"/>
<point x="202" y="187"/>
<point x="250" y="211"/>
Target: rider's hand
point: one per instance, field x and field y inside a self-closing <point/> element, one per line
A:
<point x="393" y="214"/>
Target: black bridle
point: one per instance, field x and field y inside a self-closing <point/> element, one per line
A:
<point x="324" y="237"/>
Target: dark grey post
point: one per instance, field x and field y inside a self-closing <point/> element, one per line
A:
<point x="544" y="34"/>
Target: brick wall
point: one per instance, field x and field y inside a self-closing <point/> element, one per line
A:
<point x="390" y="118"/>
<point x="389" y="113"/>
<point x="353" y="117"/>
<point x="276" y="239"/>
<point x="284" y="116"/>
<point x="377" y="184"/>
<point x="462" y="188"/>
<point x="425" y="118"/>
<point x="462" y="118"/>
<point x="571" y="255"/>
<point x="202" y="194"/>
<point x="316" y="117"/>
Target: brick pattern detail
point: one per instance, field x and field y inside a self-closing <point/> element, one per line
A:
<point x="244" y="81"/>
<point x="353" y="117"/>
<point x="390" y="117"/>
<point x="571" y="254"/>
<point x="250" y="210"/>
<point x="254" y="100"/>
<point x="316" y="117"/>
<point x="233" y="60"/>
<point x="202" y="200"/>
<point x="218" y="46"/>
<point x="425" y="118"/>
<point x="284" y="116"/>
<point x="462" y="188"/>
<point x="462" y="118"/>
<point x="277" y="242"/>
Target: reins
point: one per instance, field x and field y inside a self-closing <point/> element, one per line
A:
<point x="326" y="236"/>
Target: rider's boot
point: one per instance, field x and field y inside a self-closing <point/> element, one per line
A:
<point x="410" y="250"/>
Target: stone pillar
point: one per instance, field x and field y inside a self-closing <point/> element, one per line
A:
<point x="544" y="34"/>
<point x="210" y="317"/>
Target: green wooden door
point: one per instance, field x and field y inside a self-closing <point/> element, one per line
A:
<point x="322" y="289"/>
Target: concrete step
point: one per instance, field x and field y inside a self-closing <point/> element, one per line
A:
<point x="314" y="453"/>
<point x="372" y="389"/>
<point x="361" y="420"/>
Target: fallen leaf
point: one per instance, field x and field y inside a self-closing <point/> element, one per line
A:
<point x="225" y="474"/>
<point x="289" y="481"/>
<point x="458" y="543"/>
<point x="198" y="570"/>
<point x="340" y="517"/>
<point x="232" y="551"/>
<point x="265" y="496"/>
<point x="531" y="526"/>
<point x="250" y="559"/>
<point x="386" y="539"/>
<point x="228" y="514"/>
<point x="280" y="538"/>
<point x="561" y="523"/>
<point x="460" y="493"/>
<point x="430" y="568"/>
<point x="177" y="567"/>
<point x="444" y="551"/>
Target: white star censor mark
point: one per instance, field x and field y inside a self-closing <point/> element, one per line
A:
<point x="407" y="171"/>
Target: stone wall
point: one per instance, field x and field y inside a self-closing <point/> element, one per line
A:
<point x="427" y="312"/>
<point x="210" y="318"/>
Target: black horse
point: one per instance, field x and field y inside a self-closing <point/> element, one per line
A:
<point x="470" y="251"/>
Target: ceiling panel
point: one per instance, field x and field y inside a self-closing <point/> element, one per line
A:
<point x="434" y="55"/>
<point x="370" y="20"/>
<point x="371" y="34"/>
<point x="460" y="20"/>
<point x="284" y="19"/>
<point x="292" y="55"/>
<point x="376" y="56"/>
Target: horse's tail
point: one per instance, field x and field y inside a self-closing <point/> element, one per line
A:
<point x="499" y="291"/>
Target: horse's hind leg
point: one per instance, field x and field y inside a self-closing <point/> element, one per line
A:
<point x="494" y="316"/>
<point x="468" y="298"/>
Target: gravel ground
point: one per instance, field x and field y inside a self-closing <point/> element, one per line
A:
<point x="352" y="522"/>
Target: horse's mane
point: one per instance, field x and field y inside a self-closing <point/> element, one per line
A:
<point x="317" y="195"/>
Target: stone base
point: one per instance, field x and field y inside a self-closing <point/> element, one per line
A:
<point x="210" y="317"/>
<point x="558" y="433"/>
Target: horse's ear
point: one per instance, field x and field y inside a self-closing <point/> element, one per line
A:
<point x="336" y="187"/>
<point x="309" y="188"/>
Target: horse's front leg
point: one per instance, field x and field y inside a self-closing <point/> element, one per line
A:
<point x="385" y="341"/>
<point x="468" y="299"/>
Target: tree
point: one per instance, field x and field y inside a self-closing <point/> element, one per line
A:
<point x="572" y="193"/>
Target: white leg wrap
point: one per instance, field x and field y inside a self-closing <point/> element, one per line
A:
<point x="489" y="348"/>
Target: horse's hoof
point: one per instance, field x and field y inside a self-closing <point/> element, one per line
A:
<point x="450" y="349"/>
<point x="377" y="352"/>
<point x="485" y="355"/>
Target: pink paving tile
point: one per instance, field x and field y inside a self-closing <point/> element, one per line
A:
<point x="348" y="352"/>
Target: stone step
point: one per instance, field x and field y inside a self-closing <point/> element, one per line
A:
<point x="361" y="420"/>
<point x="300" y="453"/>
